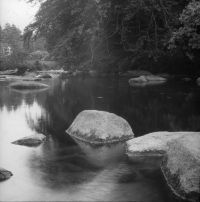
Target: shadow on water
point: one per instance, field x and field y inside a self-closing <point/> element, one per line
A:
<point x="65" y="169"/>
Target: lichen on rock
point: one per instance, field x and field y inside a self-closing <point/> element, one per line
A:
<point x="99" y="127"/>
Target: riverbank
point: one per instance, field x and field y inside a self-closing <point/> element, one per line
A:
<point x="134" y="74"/>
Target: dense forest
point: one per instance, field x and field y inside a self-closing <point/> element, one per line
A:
<point x="11" y="38"/>
<point x="115" y="35"/>
<point x="13" y="50"/>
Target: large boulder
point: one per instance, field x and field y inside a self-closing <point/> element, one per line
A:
<point x="152" y="144"/>
<point x="31" y="141"/>
<point x="147" y="80"/>
<point x="181" y="167"/>
<point x="24" y="85"/>
<point x="99" y="127"/>
<point x="5" y="174"/>
<point x="179" y="159"/>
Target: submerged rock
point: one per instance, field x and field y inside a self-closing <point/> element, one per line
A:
<point x="31" y="141"/>
<point x="102" y="156"/>
<point x="5" y="174"/>
<point x="181" y="167"/>
<point x="21" y="85"/>
<point x="147" y="80"/>
<point x="99" y="127"/>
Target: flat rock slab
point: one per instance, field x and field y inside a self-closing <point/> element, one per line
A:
<point x="31" y="141"/>
<point x="24" y="85"/>
<point x="181" y="167"/>
<point x="153" y="144"/>
<point x="147" y="80"/>
<point x="5" y="174"/>
<point x="99" y="127"/>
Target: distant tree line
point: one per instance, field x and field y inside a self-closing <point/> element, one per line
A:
<point x="114" y="35"/>
<point x="14" y="49"/>
<point x="11" y="37"/>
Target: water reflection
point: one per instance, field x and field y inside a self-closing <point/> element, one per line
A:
<point x="171" y="107"/>
<point x="65" y="169"/>
<point x="102" y="156"/>
<point x="25" y="92"/>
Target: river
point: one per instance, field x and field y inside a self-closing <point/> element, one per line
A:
<point x="63" y="169"/>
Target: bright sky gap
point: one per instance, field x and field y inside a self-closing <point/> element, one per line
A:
<point x="17" y="12"/>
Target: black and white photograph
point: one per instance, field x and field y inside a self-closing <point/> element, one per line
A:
<point x="99" y="101"/>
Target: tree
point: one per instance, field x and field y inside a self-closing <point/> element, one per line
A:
<point x="93" y="33"/>
<point x="187" y="37"/>
<point x="11" y="37"/>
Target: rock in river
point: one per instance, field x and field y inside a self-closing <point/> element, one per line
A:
<point x="180" y="152"/>
<point x="152" y="144"/>
<point x="99" y="127"/>
<point x="147" y="80"/>
<point x="31" y="141"/>
<point x="44" y="76"/>
<point x="5" y="174"/>
<point x="21" y="85"/>
<point x="181" y="167"/>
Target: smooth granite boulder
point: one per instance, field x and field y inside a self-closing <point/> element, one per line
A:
<point x="24" y="85"/>
<point x="99" y="127"/>
<point x="5" y="174"/>
<point x="181" y="167"/>
<point x="31" y="141"/>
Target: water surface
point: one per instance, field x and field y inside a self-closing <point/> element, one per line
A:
<point x="63" y="169"/>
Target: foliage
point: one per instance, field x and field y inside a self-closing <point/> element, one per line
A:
<point x="11" y="36"/>
<point x="187" y="37"/>
<point x="107" y="33"/>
